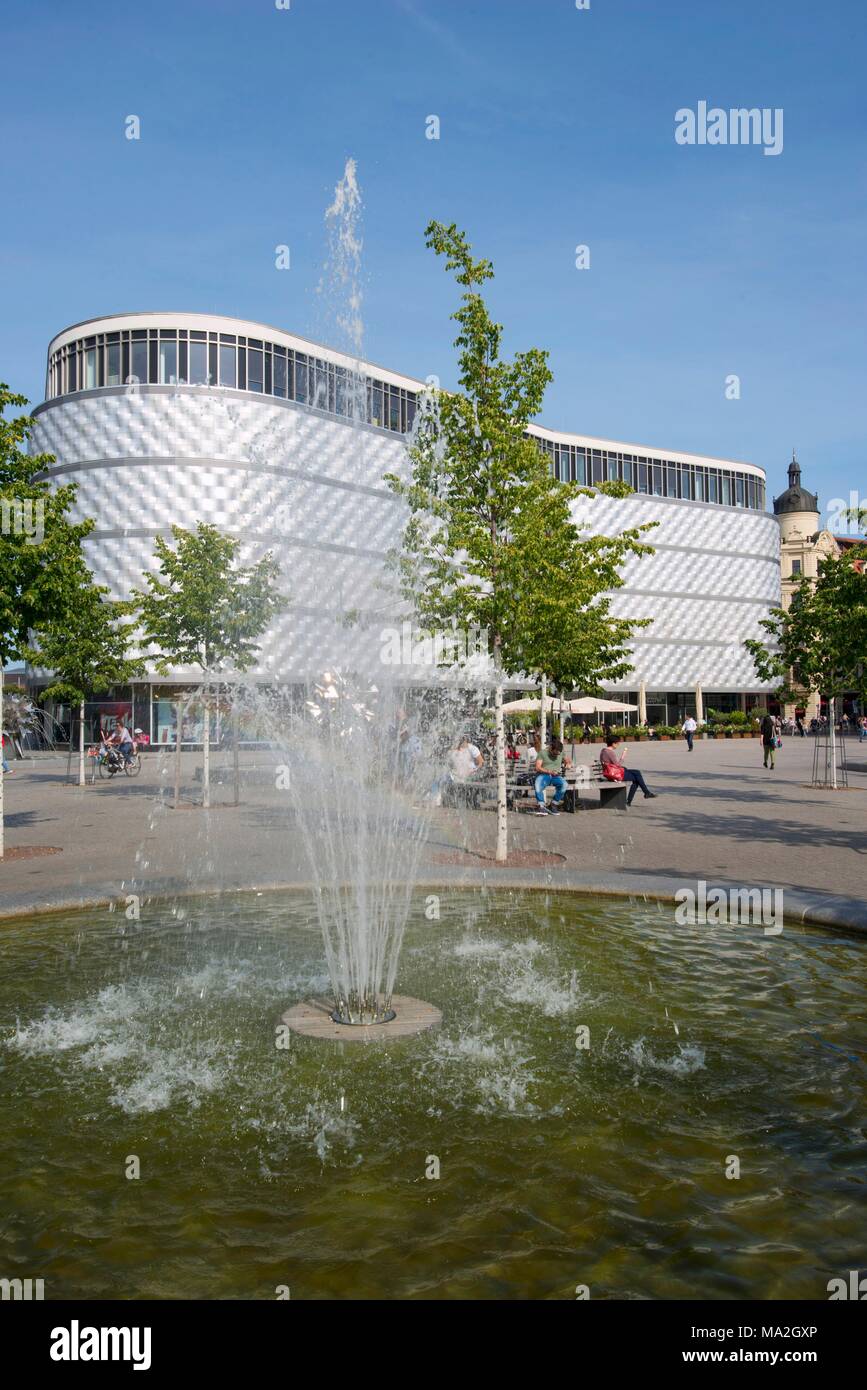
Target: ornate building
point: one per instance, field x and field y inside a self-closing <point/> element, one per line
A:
<point x="803" y="543"/>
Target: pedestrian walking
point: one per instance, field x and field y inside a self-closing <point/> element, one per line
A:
<point x="688" y="729"/>
<point x="769" y="741"/>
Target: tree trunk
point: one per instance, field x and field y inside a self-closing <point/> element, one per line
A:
<point x="1" y="764"/>
<point x="178" y="726"/>
<point x="543" y="723"/>
<point x="81" y="744"/>
<point x="206" y="753"/>
<point x="235" y="755"/>
<point x="502" y="820"/>
<point x="832" y="719"/>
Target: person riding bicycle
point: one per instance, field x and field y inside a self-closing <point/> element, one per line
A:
<point x="124" y="741"/>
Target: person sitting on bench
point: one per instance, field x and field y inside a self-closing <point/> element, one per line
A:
<point x="465" y="760"/>
<point x="609" y="759"/>
<point x="549" y="765"/>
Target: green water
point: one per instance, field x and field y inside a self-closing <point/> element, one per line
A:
<point x="305" y="1167"/>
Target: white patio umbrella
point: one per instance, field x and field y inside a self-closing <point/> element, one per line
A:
<point x="530" y="705"/>
<point x="589" y="703"/>
<point x="553" y="705"/>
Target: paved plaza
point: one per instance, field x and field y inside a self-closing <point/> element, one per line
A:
<point x="720" y="817"/>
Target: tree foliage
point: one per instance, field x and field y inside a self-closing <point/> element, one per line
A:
<point x="40" y="576"/>
<point x="199" y="608"/>
<point x="88" y="649"/>
<point x="490" y="542"/>
<point x="820" y="642"/>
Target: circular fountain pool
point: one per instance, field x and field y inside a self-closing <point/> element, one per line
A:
<point x="495" y="1157"/>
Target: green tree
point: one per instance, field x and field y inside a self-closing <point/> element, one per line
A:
<point x="490" y="543"/>
<point x="200" y="609"/>
<point x="819" y="643"/>
<point x="41" y="564"/>
<point x="87" y="650"/>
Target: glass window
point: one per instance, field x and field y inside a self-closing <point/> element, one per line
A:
<point x="699" y="485"/>
<point x="279" y="374"/>
<point x="113" y="365"/>
<point x="796" y="567"/>
<point x="199" y="363"/>
<point x="629" y="470"/>
<point x="656" y="472"/>
<point x="300" y="377"/>
<point x="596" y="462"/>
<point x="393" y="409"/>
<point x="739" y="484"/>
<point x="71" y="371"/>
<point x="376" y="403"/>
<point x="168" y="360"/>
<point x="642" y="476"/>
<point x="580" y="466"/>
<point x="140" y="361"/>
<point x="341" y="392"/>
<point x="727" y="489"/>
<point x="255" y="377"/>
<point x="228" y="366"/>
<point x="89" y="369"/>
<point x="410" y="412"/>
<point x="671" y="480"/>
<point x="712" y="485"/>
<point x="318" y="385"/>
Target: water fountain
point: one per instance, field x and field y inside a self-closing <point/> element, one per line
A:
<point x="361" y="779"/>
<point x="358" y="774"/>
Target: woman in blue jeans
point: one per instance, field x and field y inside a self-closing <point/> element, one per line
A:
<point x="549" y="767"/>
<point x="630" y="774"/>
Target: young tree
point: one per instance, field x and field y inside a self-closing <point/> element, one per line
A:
<point x="87" y="650"/>
<point x="200" y="610"/>
<point x="490" y="543"/>
<point x="41" y="564"/>
<point x="819" y="643"/>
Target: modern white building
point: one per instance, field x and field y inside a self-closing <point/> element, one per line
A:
<point x="163" y="418"/>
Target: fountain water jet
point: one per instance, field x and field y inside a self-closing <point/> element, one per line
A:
<point x="361" y="775"/>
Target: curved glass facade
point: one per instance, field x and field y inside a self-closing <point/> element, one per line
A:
<point x="197" y="357"/>
<point x="654" y="476"/>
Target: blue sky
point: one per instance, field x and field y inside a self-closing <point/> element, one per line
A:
<point x="557" y="128"/>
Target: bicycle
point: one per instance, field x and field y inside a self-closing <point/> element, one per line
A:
<point x="110" y="761"/>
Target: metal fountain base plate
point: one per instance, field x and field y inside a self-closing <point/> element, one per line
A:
<point x="312" y="1019"/>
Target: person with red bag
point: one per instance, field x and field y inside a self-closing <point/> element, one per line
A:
<point x="614" y="771"/>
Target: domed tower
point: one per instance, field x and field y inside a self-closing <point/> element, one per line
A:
<point x="796" y="509"/>
<point x="803" y="544"/>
